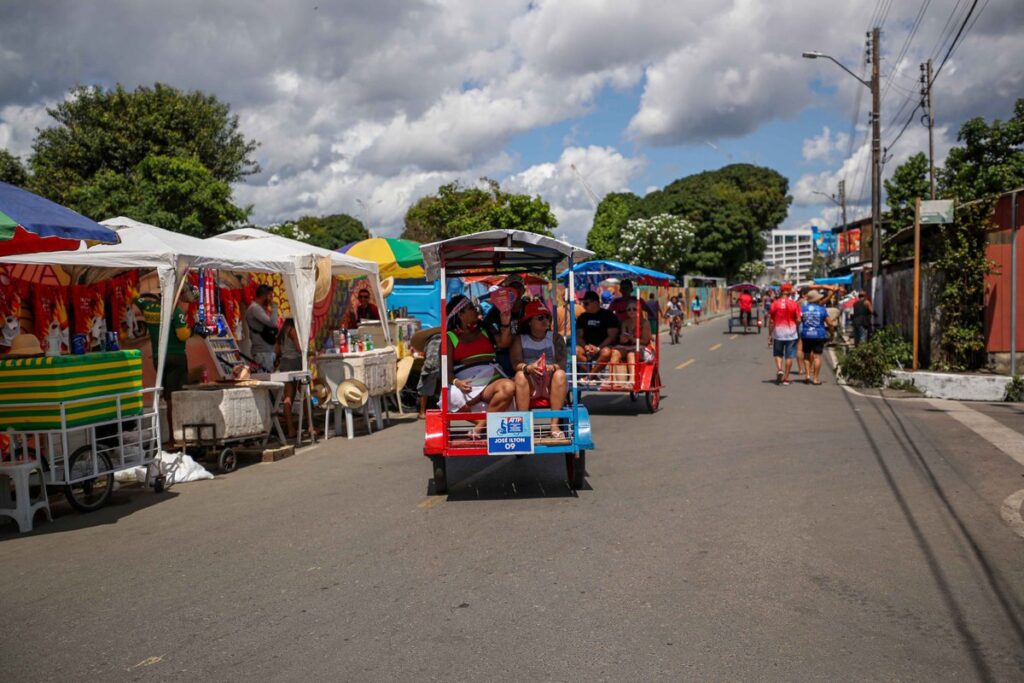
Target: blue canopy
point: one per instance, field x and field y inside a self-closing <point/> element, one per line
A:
<point x="843" y="280"/>
<point x="43" y="218"/>
<point x="590" y="273"/>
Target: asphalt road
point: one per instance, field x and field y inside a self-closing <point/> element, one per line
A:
<point x="745" y="532"/>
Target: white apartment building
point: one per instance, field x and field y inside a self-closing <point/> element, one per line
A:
<point x="791" y="250"/>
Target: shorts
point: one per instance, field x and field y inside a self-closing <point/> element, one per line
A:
<point x="175" y="373"/>
<point x="815" y="346"/>
<point x="290" y="364"/>
<point x="784" y="348"/>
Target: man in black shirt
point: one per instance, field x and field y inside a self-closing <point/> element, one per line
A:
<point x="597" y="330"/>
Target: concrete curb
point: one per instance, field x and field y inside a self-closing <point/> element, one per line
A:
<point x="956" y="387"/>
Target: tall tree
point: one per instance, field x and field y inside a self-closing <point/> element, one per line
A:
<point x="660" y="243"/>
<point x="329" y="232"/>
<point x="611" y="217"/>
<point x="456" y="210"/>
<point x="161" y="155"/>
<point x="12" y="171"/>
<point x="909" y="181"/>
<point x="729" y="209"/>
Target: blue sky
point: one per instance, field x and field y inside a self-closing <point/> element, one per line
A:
<point x="364" y="106"/>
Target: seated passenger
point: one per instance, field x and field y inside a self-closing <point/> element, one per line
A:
<point x="596" y="333"/>
<point x="627" y="345"/>
<point x="535" y="380"/>
<point x="473" y="372"/>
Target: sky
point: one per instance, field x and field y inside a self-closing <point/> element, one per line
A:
<point x="364" y="106"/>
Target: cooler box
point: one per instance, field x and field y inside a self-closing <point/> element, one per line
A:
<point x="376" y="369"/>
<point x="47" y="381"/>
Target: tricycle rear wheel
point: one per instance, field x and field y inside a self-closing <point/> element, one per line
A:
<point x="576" y="469"/>
<point x="440" y="467"/>
<point x="227" y="461"/>
<point x="90" y="494"/>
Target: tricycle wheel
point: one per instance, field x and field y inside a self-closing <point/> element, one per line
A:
<point x="89" y="494"/>
<point x="227" y="461"/>
<point x="632" y="396"/>
<point x="653" y="400"/>
<point x="576" y="468"/>
<point x="158" y="483"/>
<point x="440" y="466"/>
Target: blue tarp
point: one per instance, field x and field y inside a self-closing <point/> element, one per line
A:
<point x="844" y="280"/>
<point x="590" y="273"/>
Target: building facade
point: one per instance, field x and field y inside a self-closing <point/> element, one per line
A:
<point x="791" y="250"/>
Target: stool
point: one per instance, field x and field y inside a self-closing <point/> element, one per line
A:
<point x="23" y="507"/>
<point x="337" y="409"/>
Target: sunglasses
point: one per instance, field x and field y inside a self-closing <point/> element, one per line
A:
<point x="542" y="316"/>
<point x="364" y="296"/>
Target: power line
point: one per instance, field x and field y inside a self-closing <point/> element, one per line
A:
<point x="906" y="45"/>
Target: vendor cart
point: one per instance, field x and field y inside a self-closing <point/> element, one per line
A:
<point x="220" y="422"/>
<point x="737" y="320"/>
<point x="645" y="370"/>
<point x="82" y="442"/>
<point x="527" y="431"/>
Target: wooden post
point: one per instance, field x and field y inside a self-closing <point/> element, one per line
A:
<point x="917" y="278"/>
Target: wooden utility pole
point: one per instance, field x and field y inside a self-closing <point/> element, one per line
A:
<point x="876" y="177"/>
<point x="917" y="278"/>
<point x="846" y="235"/>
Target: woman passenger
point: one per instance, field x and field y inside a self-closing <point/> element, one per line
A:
<point x="547" y="380"/>
<point x="627" y="344"/>
<point x="474" y="375"/>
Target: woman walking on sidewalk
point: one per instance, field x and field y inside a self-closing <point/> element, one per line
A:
<point x="814" y="326"/>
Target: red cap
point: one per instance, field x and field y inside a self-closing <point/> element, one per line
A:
<point x="786" y="287"/>
<point x="533" y="309"/>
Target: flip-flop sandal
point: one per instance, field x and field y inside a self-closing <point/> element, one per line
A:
<point x="557" y="434"/>
<point x="817" y="384"/>
<point x="778" y="378"/>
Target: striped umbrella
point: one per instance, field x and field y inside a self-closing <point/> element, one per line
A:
<point x="30" y="224"/>
<point x="396" y="258"/>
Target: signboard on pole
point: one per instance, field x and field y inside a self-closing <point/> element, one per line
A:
<point x="935" y="211"/>
<point x="509" y="433"/>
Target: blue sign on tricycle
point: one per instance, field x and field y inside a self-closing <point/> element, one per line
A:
<point x="509" y="433"/>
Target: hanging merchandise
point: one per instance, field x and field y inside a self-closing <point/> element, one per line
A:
<point x="121" y="293"/>
<point x="12" y="295"/>
<point x="210" y="301"/>
<point x="229" y="300"/>
<point x="50" y="306"/>
<point x="88" y="312"/>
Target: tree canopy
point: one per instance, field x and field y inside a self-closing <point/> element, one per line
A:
<point x="661" y="242"/>
<point x="156" y="154"/>
<point x="909" y="181"/>
<point x="12" y="171"/>
<point x="728" y="209"/>
<point x="329" y="232"/>
<point x="611" y="217"/>
<point x="457" y="210"/>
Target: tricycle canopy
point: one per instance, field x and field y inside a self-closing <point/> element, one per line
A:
<point x="498" y="251"/>
<point x="744" y="287"/>
<point x="591" y="273"/>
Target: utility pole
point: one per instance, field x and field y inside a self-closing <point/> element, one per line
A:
<point x="845" y="234"/>
<point x="926" y="101"/>
<point x="876" y="178"/>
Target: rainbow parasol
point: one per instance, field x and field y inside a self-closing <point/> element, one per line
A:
<point x="396" y="258"/>
<point x="30" y="224"/>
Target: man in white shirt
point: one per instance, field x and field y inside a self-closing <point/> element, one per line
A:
<point x="261" y="317"/>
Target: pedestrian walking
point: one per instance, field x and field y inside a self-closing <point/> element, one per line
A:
<point x="696" y="307"/>
<point x="785" y="319"/>
<point x="863" y="313"/>
<point x="814" y="329"/>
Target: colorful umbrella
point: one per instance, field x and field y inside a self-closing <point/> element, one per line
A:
<point x="29" y="224"/>
<point x="396" y="258"/>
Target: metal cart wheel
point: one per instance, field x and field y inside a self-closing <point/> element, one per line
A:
<point x="227" y="461"/>
<point x="440" y="467"/>
<point x="576" y="469"/>
<point x="89" y="494"/>
<point x="654" y="395"/>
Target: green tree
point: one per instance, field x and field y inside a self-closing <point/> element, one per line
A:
<point x="611" y="217"/>
<point x="456" y="210"/>
<point x="817" y="267"/>
<point x="989" y="162"/>
<point x="164" y="155"/>
<point x="909" y="181"/>
<point x="729" y="209"/>
<point x="329" y="232"/>
<point x="12" y="171"/>
<point x="661" y="243"/>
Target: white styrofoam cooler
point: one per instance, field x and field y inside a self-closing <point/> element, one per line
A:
<point x="376" y="369"/>
<point x="234" y="411"/>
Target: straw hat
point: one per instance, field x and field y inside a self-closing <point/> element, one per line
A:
<point x="419" y="339"/>
<point x="353" y="394"/>
<point x="324" y="278"/>
<point x="386" y="287"/>
<point x="813" y="296"/>
<point x="241" y="372"/>
<point x="321" y="392"/>
<point x="25" y="344"/>
<point x="402" y="372"/>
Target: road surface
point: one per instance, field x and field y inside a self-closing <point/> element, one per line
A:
<point x="747" y="531"/>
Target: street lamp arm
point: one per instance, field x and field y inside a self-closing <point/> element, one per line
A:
<point x="816" y="55"/>
<point x="830" y="197"/>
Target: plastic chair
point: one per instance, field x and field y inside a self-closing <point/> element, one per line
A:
<point x="22" y="508"/>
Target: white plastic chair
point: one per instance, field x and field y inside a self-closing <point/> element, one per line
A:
<point x="22" y="508"/>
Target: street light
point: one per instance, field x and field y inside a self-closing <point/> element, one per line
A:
<point x="876" y="161"/>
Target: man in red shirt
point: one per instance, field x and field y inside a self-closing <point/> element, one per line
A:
<point x="364" y="311"/>
<point x="785" y="319"/>
<point x="746" y="308"/>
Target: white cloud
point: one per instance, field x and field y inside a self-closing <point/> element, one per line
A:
<point x="18" y="126"/>
<point x="822" y="148"/>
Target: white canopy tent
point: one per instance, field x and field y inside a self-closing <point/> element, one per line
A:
<point x="254" y="242"/>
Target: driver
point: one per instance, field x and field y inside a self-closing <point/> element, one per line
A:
<point x="597" y="330"/>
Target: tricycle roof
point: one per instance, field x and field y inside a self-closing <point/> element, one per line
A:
<point x="498" y="251"/>
<point x="590" y="272"/>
